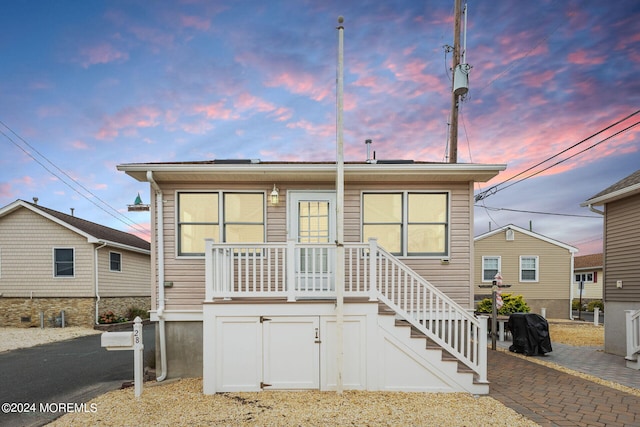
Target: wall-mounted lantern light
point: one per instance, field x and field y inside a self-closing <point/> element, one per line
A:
<point x="275" y="195"/>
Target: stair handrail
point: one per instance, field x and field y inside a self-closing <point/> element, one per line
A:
<point x="633" y="334"/>
<point x="457" y="331"/>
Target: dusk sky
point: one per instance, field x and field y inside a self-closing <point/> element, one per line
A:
<point x="88" y="85"/>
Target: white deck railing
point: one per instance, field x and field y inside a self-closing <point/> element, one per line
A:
<point x="633" y="337"/>
<point x="298" y="271"/>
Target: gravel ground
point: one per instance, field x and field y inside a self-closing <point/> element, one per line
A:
<point x="181" y="403"/>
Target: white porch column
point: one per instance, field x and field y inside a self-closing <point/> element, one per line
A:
<point x="208" y="270"/>
<point x="290" y="279"/>
<point x="373" y="261"/>
<point x="482" y="349"/>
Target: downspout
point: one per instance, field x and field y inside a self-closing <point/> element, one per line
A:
<point x="96" y="279"/>
<point x="160" y="257"/>
<point x="592" y="209"/>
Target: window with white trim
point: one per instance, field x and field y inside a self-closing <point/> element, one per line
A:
<point x="584" y="277"/>
<point x="407" y="223"/>
<point x="490" y="267"/>
<point x="115" y="261"/>
<point x="63" y="262"/>
<point x="529" y="268"/>
<point x="232" y="217"/>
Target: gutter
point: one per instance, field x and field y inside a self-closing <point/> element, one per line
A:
<point x="160" y="257"/>
<point x="95" y="265"/>
<point x="592" y="209"/>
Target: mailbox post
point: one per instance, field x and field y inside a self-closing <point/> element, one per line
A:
<point x="128" y="341"/>
<point x="495" y="286"/>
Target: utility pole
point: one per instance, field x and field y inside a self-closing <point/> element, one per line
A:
<point x="453" y="129"/>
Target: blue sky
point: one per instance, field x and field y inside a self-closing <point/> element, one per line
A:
<point x="88" y="85"/>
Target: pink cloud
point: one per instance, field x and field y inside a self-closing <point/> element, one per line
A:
<point x="50" y="111"/>
<point x="25" y="180"/>
<point x="582" y="57"/>
<point x="196" y="22"/>
<point x="246" y="101"/>
<point x="129" y="120"/>
<point x="144" y="234"/>
<point x="324" y="129"/>
<point x="216" y="111"/>
<point x="79" y="145"/>
<point x="5" y="190"/>
<point x="303" y="84"/>
<point x="538" y="79"/>
<point x="40" y="85"/>
<point x="103" y="53"/>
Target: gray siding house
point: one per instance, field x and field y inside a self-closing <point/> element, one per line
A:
<point x="51" y="261"/>
<point x="620" y="204"/>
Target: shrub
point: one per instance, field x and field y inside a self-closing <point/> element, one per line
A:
<point x="133" y="312"/>
<point x="511" y="304"/>
<point x="575" y="305"/>
<point x="109" y="317"/>
<point x="595" y="303"/>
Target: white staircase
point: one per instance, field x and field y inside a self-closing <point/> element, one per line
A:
<point x="410" y="361"/>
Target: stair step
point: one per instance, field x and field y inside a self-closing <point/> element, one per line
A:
<point x="430" y="345"/>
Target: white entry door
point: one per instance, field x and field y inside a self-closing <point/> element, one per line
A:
<point x="291" y="353"/>
<point x="312" y="219"/>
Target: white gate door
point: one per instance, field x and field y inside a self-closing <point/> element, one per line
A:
<point x="291" y="354"/>
<point x="311" y="219"/>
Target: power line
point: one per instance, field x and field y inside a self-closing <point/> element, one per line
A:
<point x="537" y="212"/>
<point x="128" y="222"/>
<point x="494" y="189"/>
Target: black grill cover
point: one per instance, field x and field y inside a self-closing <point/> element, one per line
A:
<point x="530" y="334"/>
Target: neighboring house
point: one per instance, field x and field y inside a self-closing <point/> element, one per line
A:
<point x="587" y="272"/>
<point x="51" y="261"/>
<point x="253" y="290"/>
<point x="621" y="203"/>
<point x="537" y="267"/>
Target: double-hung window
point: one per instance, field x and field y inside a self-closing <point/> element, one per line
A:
<point x="407" y="223"/>
<point x="529" y="268"/>
<point x="115" y="261"/>
<point x="232" y="217"/>
<point x="490" y="267"/>
<point x="63" y="262"/>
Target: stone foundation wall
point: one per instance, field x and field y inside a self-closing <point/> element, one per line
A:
<point x="25" y="312"/>
<point x="120" y="306"/>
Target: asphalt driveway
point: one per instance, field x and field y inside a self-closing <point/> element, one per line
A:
<point x="40" y="382"/>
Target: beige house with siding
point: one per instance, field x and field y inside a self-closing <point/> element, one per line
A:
<point x="537" y="267"/>
<point x="253" y="291"/>
<point x="620" y="204"/>
<point x="52" y="262"/>
<point x="587" y="272"/>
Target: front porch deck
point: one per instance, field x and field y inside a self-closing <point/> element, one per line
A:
<point x="292" y="272"/>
